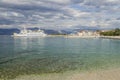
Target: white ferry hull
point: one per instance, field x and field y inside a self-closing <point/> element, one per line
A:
<point x="26" y="33"/>
<point x="29" y="35"/>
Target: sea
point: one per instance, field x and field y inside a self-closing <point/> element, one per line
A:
<point x="47" y="55"/>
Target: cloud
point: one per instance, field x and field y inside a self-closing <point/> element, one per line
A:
<point x="59" y="13"/>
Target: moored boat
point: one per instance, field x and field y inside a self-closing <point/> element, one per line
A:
<point x="30" y="33"/>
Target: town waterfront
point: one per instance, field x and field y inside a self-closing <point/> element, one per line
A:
<point x="56" y="55"/>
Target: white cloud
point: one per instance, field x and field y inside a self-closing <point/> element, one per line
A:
<point x="59" y="13"/>
<point x="112" y="0"/>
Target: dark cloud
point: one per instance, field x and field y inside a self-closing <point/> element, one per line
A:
<point x="118" y="18"/>
<point x="27" y="7"/>
<point x="77" y="1"/>
<point x="6" y="21"/>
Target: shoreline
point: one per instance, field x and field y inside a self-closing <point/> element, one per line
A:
<point x="109" y="74"/>
<point x="105" y="37"/>
<point x="82" y="36"/>
<point x="110" y="37"/>
<point x="75" y="36"/>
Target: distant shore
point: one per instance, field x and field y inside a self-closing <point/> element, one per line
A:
<point x="110" y="37"/>
<point x="82" y="36"/>
<point x="106" y="37"/>
<point x="75" y="36"/>
<point x="110" y="74"/>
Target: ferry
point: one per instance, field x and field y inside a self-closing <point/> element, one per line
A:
<point x="30" y="33"/>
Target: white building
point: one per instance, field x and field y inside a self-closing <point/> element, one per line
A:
<point x="84" y="33"/>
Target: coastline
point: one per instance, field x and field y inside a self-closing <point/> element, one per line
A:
<point x="82" y="36"/>
<point x="105" y="37"/>
<point x="76" y="36"/>
<point x="110" y="37"/>
<point x="109" y="74"/>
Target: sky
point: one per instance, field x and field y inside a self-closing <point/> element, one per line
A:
<point x="60" y="14"/>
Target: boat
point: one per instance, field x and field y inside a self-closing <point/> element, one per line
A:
<point x="30" y="33"/>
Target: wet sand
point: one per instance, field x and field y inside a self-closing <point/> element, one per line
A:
<point x="110" y="74"/>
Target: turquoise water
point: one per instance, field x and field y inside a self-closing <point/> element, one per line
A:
<point x="21" y="56"/>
